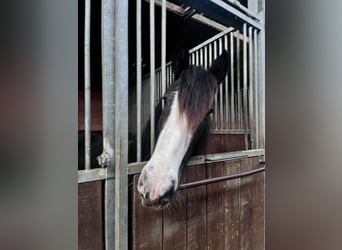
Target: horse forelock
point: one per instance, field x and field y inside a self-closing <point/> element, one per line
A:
<point x="196" y="93"/>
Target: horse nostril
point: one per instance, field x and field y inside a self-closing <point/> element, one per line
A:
<point x="167" y="196"/>
<point x="147" y="196"/>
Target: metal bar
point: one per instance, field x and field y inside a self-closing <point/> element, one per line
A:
<point x="245" y="81"/>
<point x="108" y="103"/>
<point x="209" y="65"/>
<point x="261" y="94"/>
<point x="226" y="87"/>
<point x="251" y="93"/>
<point x="210" y="40"/>
<point x="138" y="30"/>
<point x="163" y="47"/>
<point x="254" y="20"/>
<point x="221" y="90"/>
<point x="152" y="72"/>
<point x="196" y="58"/>
<point x="201" y="57"/>
<point x="87" y="89"/>
<point x="230" y="131"/>
<point x="180" y="10"/>
<point x="215" y="100"/>
<point x="135" y="168"/>
<point x="121" y="124"/>
<point x="193" y="59"/>
<point x="232" y="89"/>
<point x="255" y="40"/>
<point x="222" y="178"/>
<point x="95" y="174"/>
<point x="205" y="57"/>
<point x="238" y="83"/>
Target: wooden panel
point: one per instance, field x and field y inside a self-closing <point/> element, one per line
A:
<point x="246" y="207"/>
<point x="174" y="221"/>
<point x="147" y="225"/>
<point x="90" y="221"/>
<point x="258" y="200"/>
<point x="224" y="215"/>
<point x="231" y="205"/>
<point x="216" y="143"/>
<point x="196" y="209"/>
<point x="215" y="208"/>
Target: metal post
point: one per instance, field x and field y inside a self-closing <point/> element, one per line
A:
<point x="215" y="100"/>
<point x="108" y="117"/>
<point x="251" y="92"/>
<point x="209" y="65"/>
<point x="87" y="89"/>
<point x="261" y="94"/>
<point x="221" y="90"/>
<point x="163" y="46"/>
<point x="226" y="86"/>
<point x="152" y="72"/>
<point x="138" y="14"/>
<point x="115" y="131"/>
<point x="245" y="108"/>
<point x="197" y="58"/>
<point x="201" y="57"/>
<point x="121" y="124"/>
<point x="205" y="58"/>
<point x="238" y="81"/>
<point x="232" y="90"/>
<point x="256" y="91"/>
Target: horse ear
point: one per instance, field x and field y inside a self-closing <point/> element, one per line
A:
<point x="180" y="59"/>
<point x="220" y="66"/>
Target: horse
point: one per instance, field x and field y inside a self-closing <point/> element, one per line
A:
<point x="183" y="121"/>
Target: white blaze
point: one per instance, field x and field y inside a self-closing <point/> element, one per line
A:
<point x="172" y="144"/>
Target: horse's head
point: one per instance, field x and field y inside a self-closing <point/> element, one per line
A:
<point x="187" y="103"/>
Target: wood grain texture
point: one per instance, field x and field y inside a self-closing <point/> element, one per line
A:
<point x="174" y="221"/>
<point x="90" y="218"/>
<point x="196" y="209"/>
<point x="215" y="208"/>
<point x="147" y="227"/>
<point x="246" y="206"/>
<point x="223" y="215"/>
<point x="231" y="207"/>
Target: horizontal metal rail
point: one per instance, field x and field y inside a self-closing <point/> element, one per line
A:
<point x="219" y="179"/>
<point x="136" y="167"/>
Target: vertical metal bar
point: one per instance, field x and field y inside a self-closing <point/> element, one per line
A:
<point x="209" y="65"/>
<point x="221" y="90"/>
<point x="238" y="80"/>
<point x="255" y="41"/>
<point x="108" y="117"/>
<point x="152" y="71"/>
<point x="226" y="87"/>
<point x="121" y="124"/>
<point x="163" y="46"/>
<point x="138" y="24"/>
<point x="215" y="100"/>
<point x="232" y="82"/>
<point x="201" y="57"/>
<point x="197" y="58"/>
<point x="87" y="89"/>
<point x="205" y="58"/>
<point x="261" y="89"/>
<point x="245" y="81"/>
<point x="251" y="92"/>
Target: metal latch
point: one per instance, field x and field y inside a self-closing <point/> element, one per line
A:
<point x="103" y="160"/>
